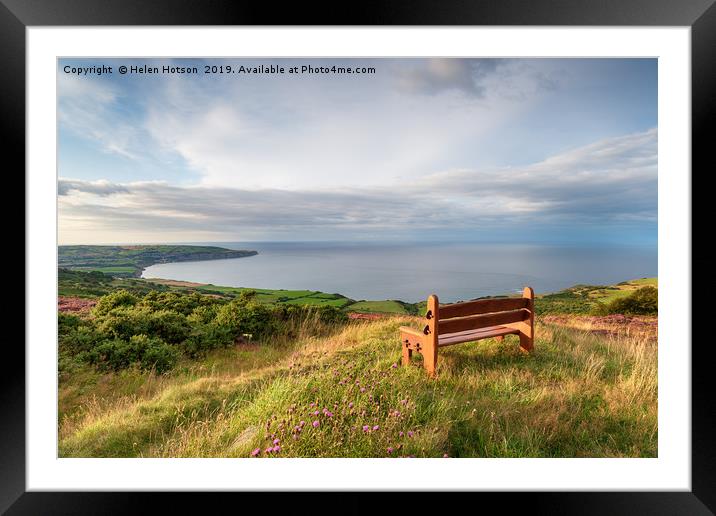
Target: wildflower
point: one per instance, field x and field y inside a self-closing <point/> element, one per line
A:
<point x="362" y="389"/>
<point x="268" y="450"/>
<point x="404" y="402"/>
<point x="350" y="405"/>
<point x="315" y="424"/>
<point x="276" y="441"/>
<point x="390" y="450"/>
<point x="410" y="433"/>
<point x="302" y="423"/>
<point x="315" y="413"/>
<point x="329" y="414"/>
<point x="366" y="428"/>
<point x="277" y="448"/>
<point x="376" y="427"/>
<point x="256" y="452"/>
<point x="401" y="434"/>
<point x="445" y="455"/>
<point x="394" y="365"/>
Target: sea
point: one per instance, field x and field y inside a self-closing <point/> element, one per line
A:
<point x="412" y="271"/>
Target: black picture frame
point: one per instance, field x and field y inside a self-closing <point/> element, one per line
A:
<point x="700" y="15"/>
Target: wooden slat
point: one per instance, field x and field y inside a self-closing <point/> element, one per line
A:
<point x="473" y="335"/>
<point x="482" y="306"/>
<point x="481" y="321"/>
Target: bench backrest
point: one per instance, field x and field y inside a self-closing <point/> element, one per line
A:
<point x="471" y="315"/>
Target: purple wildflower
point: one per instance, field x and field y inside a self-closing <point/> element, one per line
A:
<point x="376" y="427"/>
<point x="404" y="402"/>
<point x="350" y="405"/>
<point x="401" y="434"/>
<point x="256" y="452"/>
<point x="390" y="450"/>
<point x="277" y="448"/>
<point x="366" y="428"/>
<point x="276" y="441"/>
<point x="362" y="389"/>
<point x="329" y="414"/>
<point x="410" y="433"/>
<point x="316" y="423"/>
<point x="394" y="365"/>
<point x="315" y="413"/>
<point x="302" y="423"/>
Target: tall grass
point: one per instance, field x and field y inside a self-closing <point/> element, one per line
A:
<point x="324" y="392"/>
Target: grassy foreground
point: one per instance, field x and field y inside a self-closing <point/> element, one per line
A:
<point x="344" y="394"/>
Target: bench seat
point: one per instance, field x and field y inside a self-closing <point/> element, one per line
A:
<point x="459" y="337"/>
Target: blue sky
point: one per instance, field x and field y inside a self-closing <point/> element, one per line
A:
<point x="520" y="150"/>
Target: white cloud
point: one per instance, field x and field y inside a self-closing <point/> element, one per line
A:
<point x="612" y="181"/>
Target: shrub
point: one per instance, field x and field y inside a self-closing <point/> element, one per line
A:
<point x="203" y="314"/>
<point x="244" y="315"/>
<point x="179" y="302"/>
<point x="644" y="301"/>
<point x="109" y="302"/>
<point x="170" y="326"/>
<point x="147" y="352"/>
<point x="205" y="337"/>
<point x="123" y="322"/>
<point x="67" y="322"/>
<point x="80" y="339"/>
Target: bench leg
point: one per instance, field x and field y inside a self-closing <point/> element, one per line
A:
<point x="407" y="353"/>
<point x="430" y="358"/>
<point x="526" y="342"/>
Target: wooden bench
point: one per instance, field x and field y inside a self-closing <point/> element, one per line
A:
<point x="469" y="321"/>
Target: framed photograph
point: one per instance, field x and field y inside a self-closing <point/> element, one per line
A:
<point x="413" y="249"/>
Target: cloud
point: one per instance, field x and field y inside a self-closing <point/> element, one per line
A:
<point x="514" y="79"/>
<point x="609" y="182"/>
<point x="439" y="75"/>
<point x="101" y="187"/>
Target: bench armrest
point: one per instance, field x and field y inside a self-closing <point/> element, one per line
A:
<point x="411" y="331"/>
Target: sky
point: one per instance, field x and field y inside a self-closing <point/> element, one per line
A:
<point x="496" y="150"/>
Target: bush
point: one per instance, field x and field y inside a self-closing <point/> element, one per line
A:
<point x="80" y="339"/>
<point x="66" y="323"/>
<point x="109" y="302"/>
<point x="179" y="302"/>
<point x="206" y="337"/>
<point x="170" y="326"/>
<point x="644" y="301"/>
<point x="243" y="315"/>
<point x="203" y="314"/>
<point x="123" y="322"/>
<point x="155" y="330"/>
<point x="147" y="352"/>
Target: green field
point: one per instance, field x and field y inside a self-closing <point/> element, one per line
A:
<point x="389" y="307"/>
<point x="130" y="260"/>
<point x="580" y="299"/>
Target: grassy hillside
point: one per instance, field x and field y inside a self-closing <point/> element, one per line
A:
<point x="337" y="391"/>
<point x="130" y="260"/>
